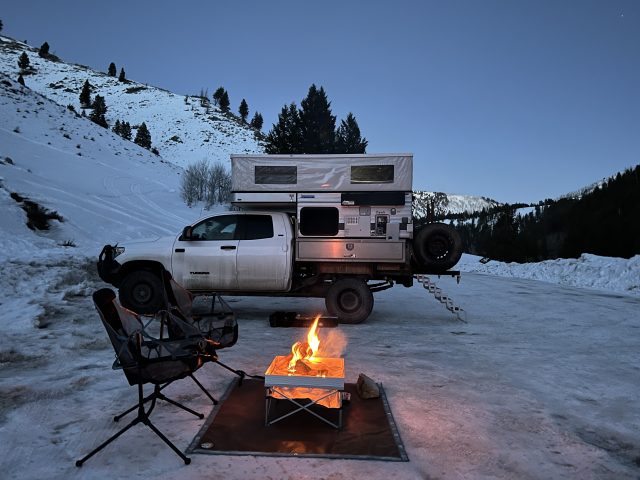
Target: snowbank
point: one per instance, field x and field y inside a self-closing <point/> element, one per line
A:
<point x="592" y="271"/>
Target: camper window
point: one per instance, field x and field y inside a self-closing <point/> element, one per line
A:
<point x="274" y="174"/>
<point x="372" y="174"/>
<point x="319" y="221"/>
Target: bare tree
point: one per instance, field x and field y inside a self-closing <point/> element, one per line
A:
<point x="207" y="183"/>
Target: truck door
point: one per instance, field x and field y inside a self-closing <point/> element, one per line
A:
<point x="207" y="261"/>
<point x="263" y="253"/>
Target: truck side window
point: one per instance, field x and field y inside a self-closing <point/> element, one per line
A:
<point x="319" y="221"/>
<point x="216" y="228"/>
<point x="257" y="227"/>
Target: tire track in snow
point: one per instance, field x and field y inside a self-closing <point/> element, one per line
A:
<point x="77" y="203"/>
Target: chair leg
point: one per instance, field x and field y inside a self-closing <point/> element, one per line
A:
<point x="142" y="417"/>
<point x="206" y="392"/>
<point x="107" y="442"/>
<point x="161" y="396"/>
<point x="144" y="400"/>
<point x="240" y="373"/>
<point x="186" y="459"/>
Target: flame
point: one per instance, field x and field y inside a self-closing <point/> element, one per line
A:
<point x="306" y="350"/>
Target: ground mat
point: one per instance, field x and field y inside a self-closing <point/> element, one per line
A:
<point x="236" y="427"/>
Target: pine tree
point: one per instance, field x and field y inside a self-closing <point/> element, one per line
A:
<point x="224" y="102"/>
<point x="217" y="95"/>
<point x="125" y="130"/>
<point x="348" y="139"/>
<point x="117" y="128"/>
<point x="44" y="50"/>
<point x="23" y="61"/>
<point x="85" y="94"/>
<point x="143" y="136"/>
<point x="112" y="70"/>
<point x="21" y="80"/>
<point x="243" y="110"/>
<point x="1" y="25"/>
<point x="122" y="77"/>
<point x="256" y="121"/>
<point x="317" y="125"/>
<point x="285" y="136"/>
<point x="99" y="109"/>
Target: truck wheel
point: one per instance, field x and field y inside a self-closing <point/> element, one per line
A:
<point x="350" y="300"/>
<point x="141" y="291"/>
<point x="438" y="247"/>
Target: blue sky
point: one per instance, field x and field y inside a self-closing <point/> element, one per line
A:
<point x="514" y="100"/>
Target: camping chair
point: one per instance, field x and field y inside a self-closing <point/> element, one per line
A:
<point x="145" y="358"/>
<point x="218" y="325"/>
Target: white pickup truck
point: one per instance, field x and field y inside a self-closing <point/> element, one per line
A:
<point x="293" y="240"/>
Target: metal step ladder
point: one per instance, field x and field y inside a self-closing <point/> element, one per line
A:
<point x="447" y="301"/>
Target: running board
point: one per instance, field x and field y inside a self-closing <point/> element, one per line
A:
<point x="436" y="291"/>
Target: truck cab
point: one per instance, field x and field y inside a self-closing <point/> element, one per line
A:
<point x="229" y="252"/>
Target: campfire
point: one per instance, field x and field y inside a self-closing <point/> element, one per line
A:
<point x="303" y="374"/>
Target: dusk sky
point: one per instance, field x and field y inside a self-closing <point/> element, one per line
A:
<point x="514" y="100"/>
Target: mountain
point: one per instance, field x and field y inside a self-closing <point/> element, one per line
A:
<point x="182" y="129"/>
<point x="447" y="203"/>
<point x="101" y="187"/>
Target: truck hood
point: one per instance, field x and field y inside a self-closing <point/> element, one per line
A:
<point x="153" y="248"/>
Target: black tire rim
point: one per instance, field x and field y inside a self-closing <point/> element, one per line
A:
<point x="438" y="247"/>
<point x="349" y="301"/>
<point x="142" y="293"/>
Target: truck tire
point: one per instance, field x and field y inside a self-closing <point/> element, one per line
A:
<point x="438" y="247"/>
<point x="350" y="300"/>
<point x="141" y="291"/>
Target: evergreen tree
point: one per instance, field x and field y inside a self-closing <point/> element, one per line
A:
<point x="224" y="102"/>
<point x="143" y="136"/>
<point x="125" y="130"/>
<point x="317" y="125"/>
<point x="44" y="50"/>
<point x="23" y="61"/>
<point x="348" y="139"/>
<point x="21" y="80"/>
<point x="285" y="136"/>
<point x="85" y="94"/>
<point x="243" y="110"/>
<point x="122" y="77"/>
<point x="117" y="128"/>
<point x="99" y="109"/>
<point x="112" y="70"/>
<point x="256" y="121"/>
<point x="1" y="25"/>
<point x="217" y="95"/>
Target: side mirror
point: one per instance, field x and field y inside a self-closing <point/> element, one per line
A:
<point x="186" y="233"/>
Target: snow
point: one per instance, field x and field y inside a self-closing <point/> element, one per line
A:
<point x="183" y="131"/>
<point x="542" y="382"/>
<point x="456" y="203"/>
<point x="592" y="271"/>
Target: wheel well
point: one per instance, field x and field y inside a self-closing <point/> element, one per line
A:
<point x="127" y="268"/>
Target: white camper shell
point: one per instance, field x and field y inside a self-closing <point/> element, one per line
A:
<point x="349" y="208"/>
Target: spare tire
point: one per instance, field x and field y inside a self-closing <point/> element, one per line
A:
<point x="438" y="247"/>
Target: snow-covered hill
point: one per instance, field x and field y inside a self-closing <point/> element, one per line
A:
<point x="453" y="203"/>
<point x="104" y="188"/>
<point x="181" y="128"/>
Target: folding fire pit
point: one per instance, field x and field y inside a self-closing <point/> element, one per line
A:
<point x="305" y="380"/>
<point x="319" y="382"/>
